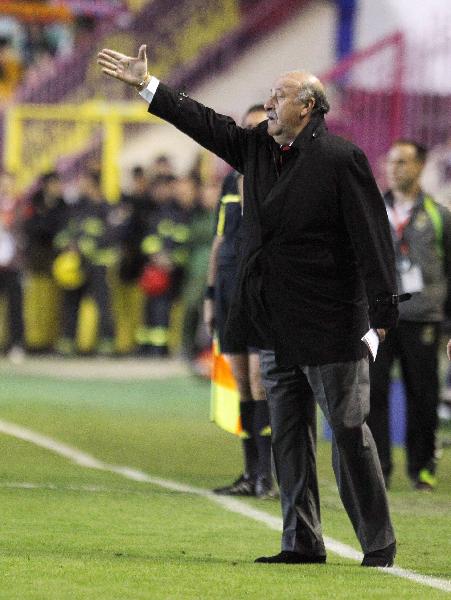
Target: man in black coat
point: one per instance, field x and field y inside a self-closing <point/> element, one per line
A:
<point x="317" y="269"/>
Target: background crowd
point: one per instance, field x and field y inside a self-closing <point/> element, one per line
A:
<point x="130" y="275"/>
<point x="28" y="49"/>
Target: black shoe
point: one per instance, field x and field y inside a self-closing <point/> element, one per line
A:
<point x="243" y="486"/>
<point x="380" y="558"/>
<point x="264" y="488"/>
<point x="291" y="558"/>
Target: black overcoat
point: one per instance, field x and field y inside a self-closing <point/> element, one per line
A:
<point x="317" y="261"/>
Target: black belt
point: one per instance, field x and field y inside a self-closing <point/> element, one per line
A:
<point x="393" y="299"/>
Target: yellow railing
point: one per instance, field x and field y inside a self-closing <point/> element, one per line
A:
<point x="38" y="135"/>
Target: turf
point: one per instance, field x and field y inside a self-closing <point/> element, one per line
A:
<point x="85" y="533"/>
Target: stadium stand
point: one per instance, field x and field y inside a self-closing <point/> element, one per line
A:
<point x="211" y="33"/>
<point x="375" y="91"/>
<point x="214" y="36"/>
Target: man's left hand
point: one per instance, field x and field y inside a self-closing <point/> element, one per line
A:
<point x="382" y="334"/>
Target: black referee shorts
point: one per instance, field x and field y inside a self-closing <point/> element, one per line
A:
<point x="226" y="279"/>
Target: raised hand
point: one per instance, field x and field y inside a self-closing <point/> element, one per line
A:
<point x="125" y="68"/>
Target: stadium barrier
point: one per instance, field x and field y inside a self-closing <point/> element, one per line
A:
<point x="68" y="129"/>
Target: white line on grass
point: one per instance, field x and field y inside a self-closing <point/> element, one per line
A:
<point x="26" y="485"/>
<point x="231" y="504"/>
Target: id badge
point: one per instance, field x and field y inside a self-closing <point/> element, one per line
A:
<point x="412" y="280"/>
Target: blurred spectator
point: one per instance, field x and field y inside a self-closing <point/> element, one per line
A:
<point x="12" y="29"/>
<point x="162" y="165"/>
<point x="436" y="177"/>
<point x="132" y="215"/>
<point x="421" y="231"/>
<point x="36" y="40"/>
<point x="85" y="24"/>
<point x="45" y="215"/>
<point x="42" y="67"/>
<point x="187" y="193"/>
<point x="137" y="206"/>
<point x="86" y="247"/>
<point x="60" y="37"/>
<point x="11" y="69"/>
<point x="195" y="336"/>
<point x="10" y="264"/>
<point x="164" y="246"/>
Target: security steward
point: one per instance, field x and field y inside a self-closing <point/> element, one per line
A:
<point x="87" y="249"/>
<point x="164" y="249"/>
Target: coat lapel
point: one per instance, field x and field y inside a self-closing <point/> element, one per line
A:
<point x="301" y="147"/>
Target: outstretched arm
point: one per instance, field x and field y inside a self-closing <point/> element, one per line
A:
<point x="218" y="133"/>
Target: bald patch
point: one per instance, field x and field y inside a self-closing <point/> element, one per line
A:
<point x="298" y="80"/>
<point x="302" y="78"/>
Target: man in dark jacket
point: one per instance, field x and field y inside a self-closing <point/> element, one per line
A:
<point x="316" y="255"/>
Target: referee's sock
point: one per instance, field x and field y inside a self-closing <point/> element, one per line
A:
<point x="247" y="436"/>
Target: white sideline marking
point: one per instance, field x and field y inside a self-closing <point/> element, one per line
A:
<point x="25" y="485"/>
<point x="231" y="504"/>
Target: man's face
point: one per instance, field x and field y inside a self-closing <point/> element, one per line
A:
<point x="186" y="192"/>
<point x="284" y="110"/>
<point x="162" y="192"/>
<point x="403" y="167"/>
<point x="139" y="184"/>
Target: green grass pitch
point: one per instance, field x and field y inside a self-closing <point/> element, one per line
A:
<point x="70" y="532"/>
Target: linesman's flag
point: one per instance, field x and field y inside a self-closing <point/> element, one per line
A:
<point x="225" y="400"/>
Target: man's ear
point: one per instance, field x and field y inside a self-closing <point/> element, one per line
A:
<point x="308" y="107"/>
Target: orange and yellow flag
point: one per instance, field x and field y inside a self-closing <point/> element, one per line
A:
<point x="225" y="400"/>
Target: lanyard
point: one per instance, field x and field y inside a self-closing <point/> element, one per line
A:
<point x="399" y="221"/>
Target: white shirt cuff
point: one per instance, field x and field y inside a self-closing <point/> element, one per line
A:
<point x="148" y="92"/>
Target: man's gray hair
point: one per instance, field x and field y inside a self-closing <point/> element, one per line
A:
<point x="309" y="90"/>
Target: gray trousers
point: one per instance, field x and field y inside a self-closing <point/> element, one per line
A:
<point x="342" y="391"/>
